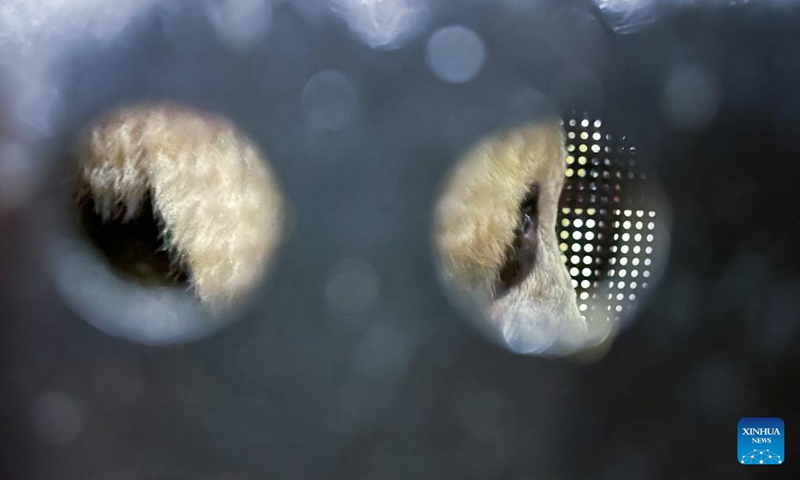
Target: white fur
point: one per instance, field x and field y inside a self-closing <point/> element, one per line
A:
<point x="475" y="221"/>
<point x="220" y="205"/>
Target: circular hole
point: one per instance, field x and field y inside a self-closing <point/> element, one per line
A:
<point x="495" y="220"/>
<point x="486" y="255"/>
<point x="177" y="216"/>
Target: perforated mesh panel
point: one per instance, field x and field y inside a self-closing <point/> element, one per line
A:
<point x="608" y="222"/>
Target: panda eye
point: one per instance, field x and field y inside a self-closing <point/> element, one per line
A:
<point x="528" y="213"/>
<point x="521" y="254"/>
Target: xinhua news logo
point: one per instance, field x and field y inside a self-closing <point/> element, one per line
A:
<point x="761" y="441"/>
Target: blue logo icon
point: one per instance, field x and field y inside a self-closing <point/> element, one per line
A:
<point x="761" y="441"/>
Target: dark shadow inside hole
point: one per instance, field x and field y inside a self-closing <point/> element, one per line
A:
<point x="134" y="248"/>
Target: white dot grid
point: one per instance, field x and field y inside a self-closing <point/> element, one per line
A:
<point x="606" y="238"/>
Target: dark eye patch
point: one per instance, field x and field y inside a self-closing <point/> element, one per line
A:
<point x="521" y="255"/>
<point x="134" y="248"/>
